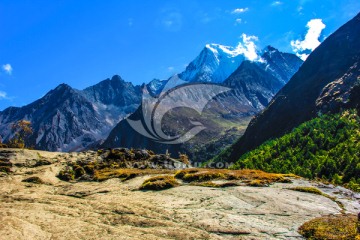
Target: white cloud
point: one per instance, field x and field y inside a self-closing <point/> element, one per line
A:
<point x="247" y="48"/>
<point x="250" y="47"/>
<point x="238" y="21"/>
<point x="7" y="68"/>
<point x="311" y="40"/>
<point x="276" y="3"/>
<point x="171" y="69"/>
<point x="239" y="10"/>
<point x="3" y="95"/>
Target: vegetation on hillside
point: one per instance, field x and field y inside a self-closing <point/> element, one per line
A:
<point x="326" y="147"/>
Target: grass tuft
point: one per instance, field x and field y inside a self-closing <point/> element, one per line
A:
<point x="204" y="175"/>
<point x="5" y="165"/>
<point x="331" y="227"/>
<point x="67" y="174"/>
<point x="35" y="180"/>
<point x="307" y="190"/>
<point x="159" y="183"/>
<point x="126" y="173"/>
<point x="258" y="183"/>
<point x="215" y="185"/>
<point x="5" y="169"/>
<point x="181" y="173"/>
<point x="316" y="191"/>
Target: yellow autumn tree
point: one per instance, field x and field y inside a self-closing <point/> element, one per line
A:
<point x="22" y="130"/>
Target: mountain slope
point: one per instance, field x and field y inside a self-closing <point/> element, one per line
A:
<point x="114" y="91"/>
<point x="66" y="119"/>
<point x="252" y="85"/>
<point x="57" y="119"/>
<point x="155" y="86"/>
<point x="113" y="99"/>
<point x="323" y="147"/>
<point x="333" y="63"/>
<point x="282" y="65"/>
<point x="214" y="64"/>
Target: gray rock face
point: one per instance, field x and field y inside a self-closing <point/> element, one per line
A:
<point x="336" y="94"/>
<point x="66" y="119"/>
<point x="256" y="83"/>
<point x="253" y="84"/>
<point x="115" y="92"/>
<point x="114" y="209"/>
<point x="156" y="86"/>
<point x="282" y="65"/>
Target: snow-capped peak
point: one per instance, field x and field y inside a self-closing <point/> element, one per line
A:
<point x="216" y="62"/>
<point x="247" y="48"/>
<point x="229" y="51"/>
<point x="213" y="47"/>
<point x="270" y="50"/>
<point x="155" y="86"/>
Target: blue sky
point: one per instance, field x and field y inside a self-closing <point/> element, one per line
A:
<point x="45" y="43"/>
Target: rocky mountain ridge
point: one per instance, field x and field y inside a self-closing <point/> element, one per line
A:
<point x="251" y="87"/>
<point x="66" y="119"/>
<point x="327" y="82"/>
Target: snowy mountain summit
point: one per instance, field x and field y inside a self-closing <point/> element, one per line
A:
<point x="214" y="64"/>
<point x="217" y="62"/>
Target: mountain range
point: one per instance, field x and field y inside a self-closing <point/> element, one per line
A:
<point x="327" y="82"/>
<point x="67" y="119"/>
<point x="252" y="84"/>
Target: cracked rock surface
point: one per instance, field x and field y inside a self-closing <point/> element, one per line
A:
<point x="54" y="209"/>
